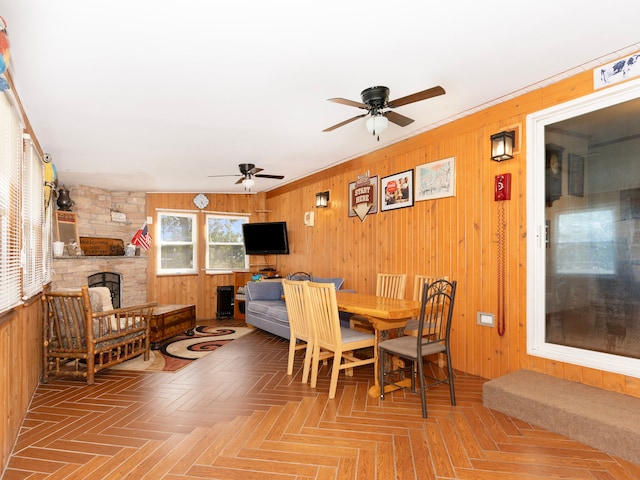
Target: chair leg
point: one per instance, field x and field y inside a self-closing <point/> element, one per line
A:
<point x="308" y="354"/>
<point x="381" y="371"/>
<point x="451" y="387"/>
<point x="292" y="353"/>
<point x="335" y="372"/>
<point x="315" y="365"/>
<point x="423" y="395"/>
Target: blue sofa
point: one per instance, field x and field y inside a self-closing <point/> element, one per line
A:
<point x="265" y="309"/>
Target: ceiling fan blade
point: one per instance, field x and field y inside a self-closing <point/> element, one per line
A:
<point x="344" y="123"/>
<point x="398" y="119"/>
<point x="240" y="181"/>
<point x="210" y="176"/>
<point x="350" y="103"/>
<point x="416" y="97"/>
<point x="255" y="170"/>
<point x="277" y="177"/>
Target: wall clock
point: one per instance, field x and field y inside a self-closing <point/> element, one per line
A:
<point x="201" y="200"/>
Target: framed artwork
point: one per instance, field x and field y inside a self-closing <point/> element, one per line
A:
<point x="364" y="201"/>
<point x="576" y="175"/>
<point x="553" y="173"/>
<point x="436" y="179"/>
<point x="396" y="191"/>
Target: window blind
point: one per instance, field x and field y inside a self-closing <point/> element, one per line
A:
<point x="32" y="220"/>
<point x="10" y="221"/>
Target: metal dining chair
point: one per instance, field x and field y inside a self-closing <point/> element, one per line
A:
<point x="419" y="282"/>
<point x="434" y="330"/>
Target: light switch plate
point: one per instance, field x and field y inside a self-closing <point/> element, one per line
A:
<point x="485" y="319"/>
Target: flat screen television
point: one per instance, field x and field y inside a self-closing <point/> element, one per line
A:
<point x="266" y="238"/>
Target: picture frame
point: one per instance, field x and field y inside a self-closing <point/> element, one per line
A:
<point x="374" y="190"/>
<point x="396" y="191"/>
<point x="576" y="175"/>
<point x="436" y="179"/>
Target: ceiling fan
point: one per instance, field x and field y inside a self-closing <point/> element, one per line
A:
<point x="247" y="172"/>
<point x="375" y="100"/>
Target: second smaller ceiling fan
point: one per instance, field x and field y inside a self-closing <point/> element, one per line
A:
<point x="247" y="172"/>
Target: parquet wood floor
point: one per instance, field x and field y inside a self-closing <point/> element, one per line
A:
<point x="235" y="414"/>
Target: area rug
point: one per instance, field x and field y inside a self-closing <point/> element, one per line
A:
<point x="179" y="351"/>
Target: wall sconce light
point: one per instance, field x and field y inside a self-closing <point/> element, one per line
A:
<point x="502" y="146"/>
<point x="322" y="199"/>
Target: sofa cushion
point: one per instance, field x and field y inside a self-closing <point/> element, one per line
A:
<point x="263" y="291"/>
<point x="262" y="306"/>
<point x="336" y="281"/>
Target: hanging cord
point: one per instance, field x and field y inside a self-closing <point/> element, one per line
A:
<point x="502" y="226"/>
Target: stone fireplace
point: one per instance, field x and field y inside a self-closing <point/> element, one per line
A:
<point x="94" y="208"/>
<point x="75" y="272"/>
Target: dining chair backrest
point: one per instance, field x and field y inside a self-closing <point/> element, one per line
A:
<point x="299" y="323"/>
<point x="418" y="284"/>
<point x="323" y="309"/>
<point x="391" y="285"/>
<point x="436" y="312"/>
<point x="300" y="276"/>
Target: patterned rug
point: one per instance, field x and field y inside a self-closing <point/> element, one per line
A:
<point x="179" y="351"/>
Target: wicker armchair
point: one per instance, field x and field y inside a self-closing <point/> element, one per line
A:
<point x="81" y="338"/>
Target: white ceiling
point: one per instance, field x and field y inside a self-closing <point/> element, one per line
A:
<point x="155" y="95"/>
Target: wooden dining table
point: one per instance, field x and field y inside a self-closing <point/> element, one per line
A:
<point x="388" y="316"/>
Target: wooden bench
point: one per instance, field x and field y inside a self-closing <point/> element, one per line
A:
<point x="170" y="320"/>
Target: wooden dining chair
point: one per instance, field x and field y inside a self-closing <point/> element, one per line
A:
<point x="434" y="330"/>
<point x="419" y="283"/>
<point x="342" y="342"/>
<point x="301" y="332"/>
<point x="388" y="285"/>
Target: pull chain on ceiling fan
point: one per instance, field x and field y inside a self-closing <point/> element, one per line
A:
<point x="375" y="100"/>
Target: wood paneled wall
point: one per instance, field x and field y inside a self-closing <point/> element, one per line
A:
<point x="455" y="236"/>
<point x="20" y="367"/>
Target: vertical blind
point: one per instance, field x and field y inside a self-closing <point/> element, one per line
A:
<point x="10" y="220"/>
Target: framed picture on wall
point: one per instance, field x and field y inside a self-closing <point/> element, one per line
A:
<point x="436" y="179"/>
<point x="396" y="191"/>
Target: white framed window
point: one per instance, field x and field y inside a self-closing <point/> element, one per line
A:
<point x="32" y="221"/>
<point x="177" y="243"/>
<point x="10" y="202"/>
<point x="225" y="248"/>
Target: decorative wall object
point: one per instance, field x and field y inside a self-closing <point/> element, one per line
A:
<point x="553" y="173"/>
<point x="436" y="179"/>
<point x="616" y="71"/>
<point x="396" y="191"/>
<point x="363" y="196"/>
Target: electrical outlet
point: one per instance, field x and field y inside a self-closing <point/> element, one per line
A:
<point x="485" y="319"/>
<point x="309" y="219"/>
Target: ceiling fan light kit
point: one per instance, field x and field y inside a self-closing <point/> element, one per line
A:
<point x="375" y="100"/>
<point x="377" y="124"/>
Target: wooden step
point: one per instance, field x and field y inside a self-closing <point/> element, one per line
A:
<point x="602" y="419"/>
